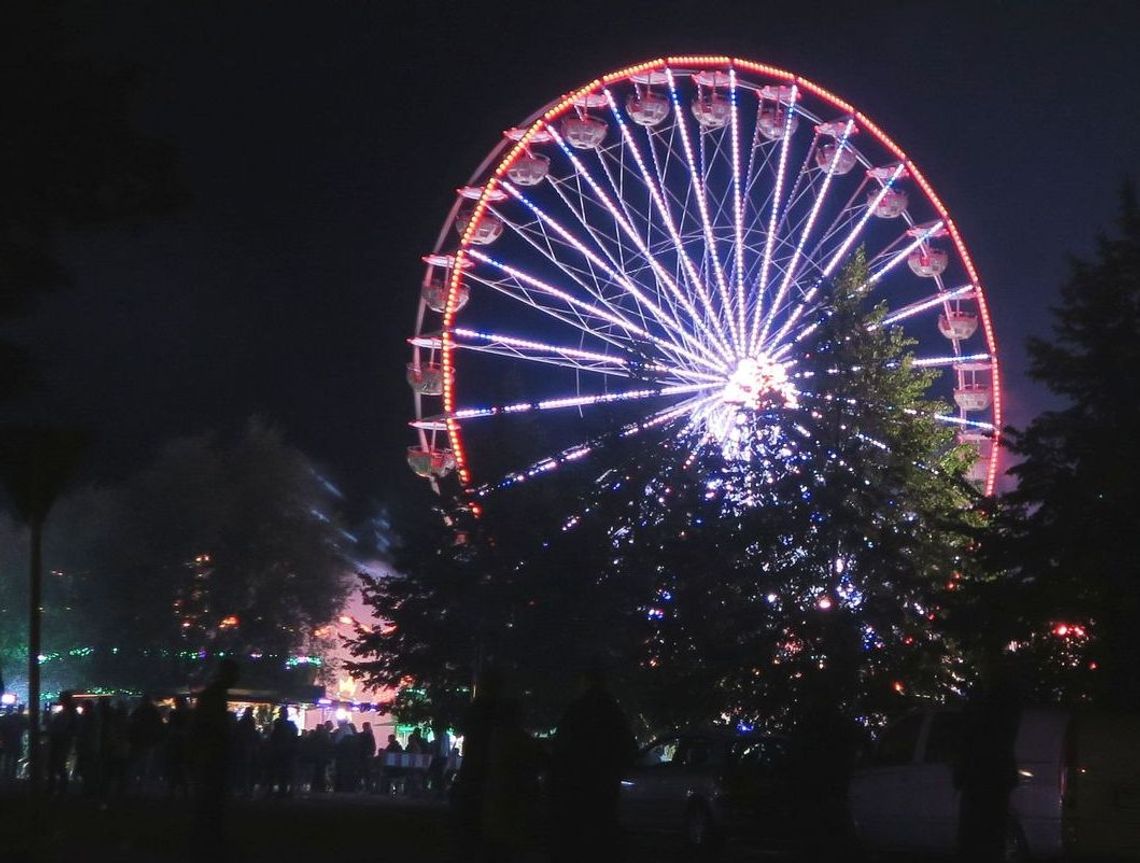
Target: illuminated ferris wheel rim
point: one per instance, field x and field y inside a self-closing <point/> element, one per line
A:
<point x="489" y="187"/>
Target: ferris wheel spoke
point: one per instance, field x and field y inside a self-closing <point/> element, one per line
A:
<point x="773" y="220"/>
<point x="840" y="254"/>
<point x="581" y="450"/>
<point x="961" y="293"/>
<point x="582" y="316"/>
<point x="952" y="360"/>
<point x="837" y="257"/>
<point x="669" y="322"/>
<point x="848" y="221"/>
<point x="528" y="350"/>
<point x="737" y="211"/>
<point x="661" y="273"/>
<point x="696" y="181"/>
<point x="658" y="198"/>
<point x="527" y="284"/>
<point x="790" y="268"/>
<point x="962" y="422"/>
<point x="922" y="236"/>
<point x="588" y="281"/>
<point x="561" y="403"/>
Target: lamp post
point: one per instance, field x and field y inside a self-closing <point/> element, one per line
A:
<point x="35" y="466"/>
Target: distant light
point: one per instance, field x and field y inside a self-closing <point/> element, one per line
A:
<point x="341" y="713"/>
<point x="8" y="699"/>
<point x="824" y="602"/>
<point x="345" y="619"/>
<point x="898" y="687"/>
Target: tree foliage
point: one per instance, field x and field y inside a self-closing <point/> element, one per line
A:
<point x="1070" y="532"/>
<point x="217" y="546"/>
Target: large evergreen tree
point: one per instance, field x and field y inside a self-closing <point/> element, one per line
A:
<point x="718" y="587"/>
<point x="1071" y="536"/>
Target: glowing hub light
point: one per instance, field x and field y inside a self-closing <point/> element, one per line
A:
<point x="759" y="382"/>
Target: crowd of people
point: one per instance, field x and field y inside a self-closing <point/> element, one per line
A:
<point x="105" y="748"/>
<point x="506" y="790"/>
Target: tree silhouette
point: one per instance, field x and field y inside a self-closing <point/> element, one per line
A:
<point x="1070" y="536"/>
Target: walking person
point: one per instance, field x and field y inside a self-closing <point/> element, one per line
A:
<point x="593" y="746"/>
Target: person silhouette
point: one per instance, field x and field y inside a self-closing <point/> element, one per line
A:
<point x="986" y="769"/>
<point x="210" y="751"/>
<point x="593" y="746"/>
<point x="496" y="789"/>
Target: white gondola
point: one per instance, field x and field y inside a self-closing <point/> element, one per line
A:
<point x="647" y="109"/>
<point x="838" y="160"/>
<point x="435" y="296"/>
<point x="427" y="378"/>
<point x="957" y="325"/>
<point x="583" y="133"/>
<point x="712" y="111"/>
<point x="973" y="397"/>
<point x="486" y="230"/>
<point x="529" y="169"/>
<point x="928" y="262"/>
<point x="772" y="121"/>
<point x="892" y="204"/>
<point x="429" y="462"/>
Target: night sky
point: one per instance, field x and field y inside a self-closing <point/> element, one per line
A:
<point x="322" y="144"/>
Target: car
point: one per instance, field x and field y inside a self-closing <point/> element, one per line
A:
<point x="1078" y="791"/>
<point x="711" y="787"/>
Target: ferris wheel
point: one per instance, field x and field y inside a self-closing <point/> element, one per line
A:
<point x="654" y="250"/>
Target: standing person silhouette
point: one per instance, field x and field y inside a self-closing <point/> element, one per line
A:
<point x="210" y="753"/>
<point x="592" y="748"/>
<point x="497" y="786"/>
<point x="986" y="771"/>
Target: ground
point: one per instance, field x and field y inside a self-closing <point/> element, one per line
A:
<point x="361" y="828"/>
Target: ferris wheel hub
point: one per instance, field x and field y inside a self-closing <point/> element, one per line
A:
<point x="758" y="382"/>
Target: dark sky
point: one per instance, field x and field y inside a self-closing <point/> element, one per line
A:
<point x="322" y="143"/>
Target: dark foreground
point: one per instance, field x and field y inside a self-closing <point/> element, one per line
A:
<point x="361" y="828"/>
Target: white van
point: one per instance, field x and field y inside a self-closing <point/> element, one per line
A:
<point x="1078" y="793"/>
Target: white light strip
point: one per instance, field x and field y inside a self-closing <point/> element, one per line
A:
<point x="927" y="362"/>
<point x="955" y="420"/>
<point x="576" y="401"/>
<point x="901" y="256"/>
<point x="870" y="211"/>
<point x="605" y="314"/>
<point x="538" y="346"/>
<point x="790" y="271"/>
<point x="774" y="217"/>
<point x="662" y="208"/>
<point x="702" y="206"/>
<point x="915" y="308"/>
<point x="738" y="204"/>
<point x="666" y="320"/>
<point x="660" y="271"/>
